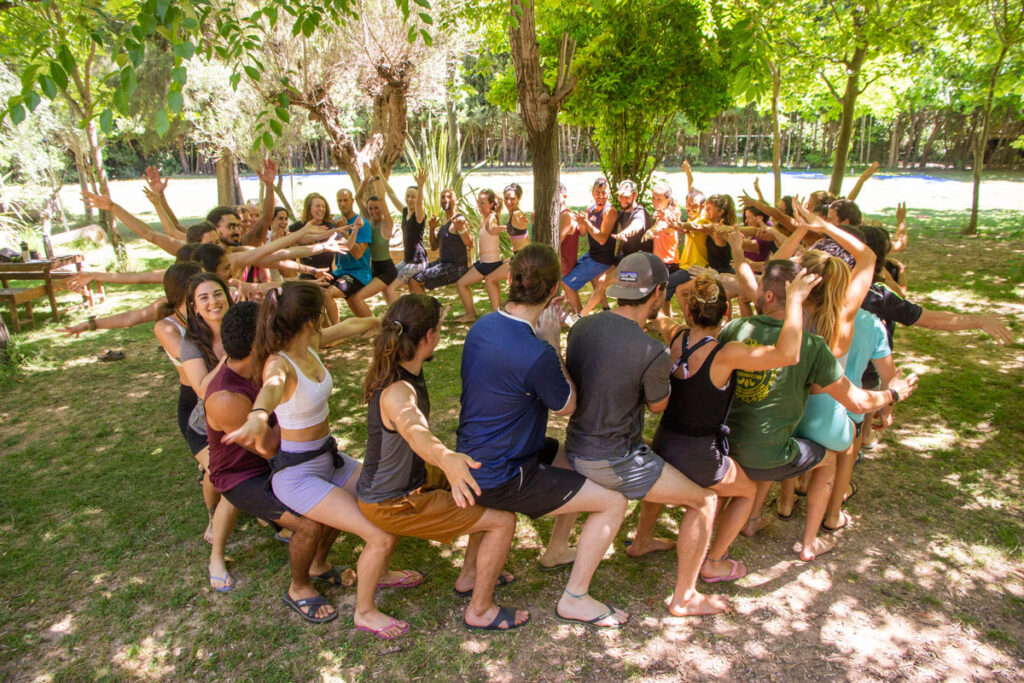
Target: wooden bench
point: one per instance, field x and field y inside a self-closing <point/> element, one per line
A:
<point x="13" y="296"/>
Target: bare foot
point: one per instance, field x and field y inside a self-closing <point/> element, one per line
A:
<point x="307" y="592"/>
<point x="820" y="546"/>
<point x="755" y="524"/>
<point x="380" y="624"/>
<point x="717" y="569"/>
<point x="208" y="534"/>
<point x="549" y="559"/>
<point x="220" y="580"/>
<point x="466" y="318"/>
<point x="640" y="547"/>
<point x="699" y="605"/>
<point x="485" y="618"/>
<point x="586" y="608"/>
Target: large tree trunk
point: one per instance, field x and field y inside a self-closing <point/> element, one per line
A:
<point x="835" y="185"/>
<point x="227" y="175"/>
<point x="979" y="147"/>
<point x="539" y="105"/>
<point x="894" y="142"/>
<point x="926" y="153"/>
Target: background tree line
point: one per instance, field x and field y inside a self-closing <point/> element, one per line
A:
<point x="94" y="89"/>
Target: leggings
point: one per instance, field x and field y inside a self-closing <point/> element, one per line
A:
<point x="187" y="400"/>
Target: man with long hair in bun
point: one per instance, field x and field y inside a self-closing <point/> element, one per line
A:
<point x="393" y="490"/>
<point x="512" y="377"/>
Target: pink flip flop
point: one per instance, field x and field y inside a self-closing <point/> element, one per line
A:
<point x="410" y="579"/>
<point x="380" y="632"/>
<point x="739" y="570"/>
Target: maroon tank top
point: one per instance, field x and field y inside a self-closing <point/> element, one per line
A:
<point x="231" y="464"/>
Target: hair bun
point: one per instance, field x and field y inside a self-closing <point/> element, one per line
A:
<point x="706" y="290"/>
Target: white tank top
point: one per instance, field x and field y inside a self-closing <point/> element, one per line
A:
<point x="176" y="362"/>
<point x="308" y="405"/>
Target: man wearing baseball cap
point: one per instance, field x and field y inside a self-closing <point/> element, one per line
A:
<point x="632" y="222"/>
<point x="618" y="369"/>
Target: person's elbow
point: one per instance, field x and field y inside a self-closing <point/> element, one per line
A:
<point x="658" y="407"/>
<point x="570" y="406"/>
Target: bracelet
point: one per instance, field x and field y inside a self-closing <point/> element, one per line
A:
<point x="895" y="395"/>
<point x="256" y="409"/>
<point x="92" y="322"/>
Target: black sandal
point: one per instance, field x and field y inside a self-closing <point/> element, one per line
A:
<point x="505" y="615"/>
<point x="307" y="607"/>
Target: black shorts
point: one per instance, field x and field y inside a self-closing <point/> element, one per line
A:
<point x="808" y="455"/>
<point x="187" y="400"/>
<point x="384" y="271"/>
<point x="196" y="441"/>
<point x="486" y="269"/>
<point x="347" y="284"/>
<point x="538" y="489"/>
<point x="703" y="459"/>
<point x="255" y="497"/>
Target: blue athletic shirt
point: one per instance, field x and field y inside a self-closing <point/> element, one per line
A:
<point x="870" y="342"/>
<point x="359" y="268"/>
<point x="510" y="380"/>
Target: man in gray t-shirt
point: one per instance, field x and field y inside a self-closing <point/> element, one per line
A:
<point x="618" y="370"/>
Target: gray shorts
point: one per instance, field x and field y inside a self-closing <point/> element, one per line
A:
<point x="406" y="271"/>
<point x="632" y="474"/>
<point x="302" y="486"/>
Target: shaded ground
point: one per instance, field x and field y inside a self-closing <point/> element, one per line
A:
<point x="103" y="571"/>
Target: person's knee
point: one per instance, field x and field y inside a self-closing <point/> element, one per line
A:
<point x="707" y="503"/>
<point x="502" y="522"/>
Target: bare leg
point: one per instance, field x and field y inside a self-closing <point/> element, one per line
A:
<point x="683" y="293"/>
<point x="844" y="473"/>
<point x="306" y="538"/>
<point x="597" y="298"/>
<point x="673" y="488"/>
<point x="416" y="287"/>
<point x="357" y="302"/>
<point x="759" y="520"/>
<point x="224" y="519"/>
<point x="740" y="491"/>
<point x="643" y="540"/>
<point x="572" y="296"/>
<point x="558" y="551"/>
<point x="493" y="284"/>
<point x="332" y="309"/>
<point x="787" y="498"/>
<point x="498" y="527"/>
<point x="818" y="493"/>
<point x="210" y="495"/>
<point x="606" y="508"/>
<point x="471" y="277"/>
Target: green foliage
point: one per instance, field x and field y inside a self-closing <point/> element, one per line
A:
<point x="435" y="152"/>
<point x="631" y="85"/>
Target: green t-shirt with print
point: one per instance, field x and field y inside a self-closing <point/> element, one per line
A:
<point x="769" y="403"/>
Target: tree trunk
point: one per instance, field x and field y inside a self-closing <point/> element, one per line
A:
<point x="849" y="101"/>
<point x="776" y="132"/>
<point x="979" y="147"/>
<point x="926" y="153"/>
<point x="894" y="142"/>
<point x="539" y="105"/>
<point x="83" y="181"/>
<point x="226" y="176"/>
<point x="799" y="140"/>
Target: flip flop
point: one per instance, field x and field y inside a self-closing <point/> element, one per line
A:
<point x="503" y="580"/>
<point x="853" y="491"/>
<point x="307" y="607"/>
<point x="739" y="570"/>
<point x="222" y="589"/>
<point x="554" y="567"/>
<point x="111" y="355"/>
<point x="505" y="615"/>
<point x="380" y="632"/>
<point x="283" y="539"/>
<point x="410" y="579"/>
<point x="844" y="518"/>
<point x="592" y="623"/>
<point x="333" y="577"/>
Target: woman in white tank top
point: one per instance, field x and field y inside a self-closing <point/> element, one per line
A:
<point x="311" y="476"/>
<point x="488" y="255"/>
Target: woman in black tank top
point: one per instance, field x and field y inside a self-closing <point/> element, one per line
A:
<point x="692" y="435"/>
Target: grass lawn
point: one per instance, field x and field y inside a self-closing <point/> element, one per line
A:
<point x="103" y="570"/>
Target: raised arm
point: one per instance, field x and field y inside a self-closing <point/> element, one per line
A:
<point x="257" y="234"/>
<point x="433" y="224"/>
<point x="902" y="238"/>
<point x="155" y="193"/>
<point x="136" y="225"/>
<point x="786" y="351"/>
<point x="398" y="406"/>
<point x="689" y="175"/>
<point x="745" y="276"/>
<point x="868" y="172"/>
<point x="778" y="217"/>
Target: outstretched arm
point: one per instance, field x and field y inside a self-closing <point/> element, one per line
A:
<point x="136" y="225"/>
<point x="349" y="327"/>
<point x="118" y="321"/>
<point x="901" y="239"/>
<point x="155" y="193"/>
<point x="949" y="322"/>
<point x="689" y="175"/>
<point x="257" y="234"/>
<point x="868" y="172"/>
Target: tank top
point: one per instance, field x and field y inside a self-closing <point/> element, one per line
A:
<point x="696" y="407"/>
<point x="636" y="242"/>
<point x="181" y="328"/>
<point x="451" y="247"/>
<point x="308" y="405"/>
<point x="719" y="258"/>
<point x="380" y="250"/>
<point x="599" y="253"/>
<point x="515" y="232"/>
<point x="489" y="246"/>
<point x="231" y="464"/>
<point x="391" y="468"/>
<point x="412" y="237"/>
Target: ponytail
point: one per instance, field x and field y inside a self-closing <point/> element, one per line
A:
<point x="283" y="312"/>
<point x="707" y="303"/>
<point x="533" y="273"/>
<point x="405" y="323"/>
<point x="828" y="296"/>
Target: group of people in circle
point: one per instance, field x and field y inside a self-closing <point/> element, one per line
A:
<point x="782" y="346"/>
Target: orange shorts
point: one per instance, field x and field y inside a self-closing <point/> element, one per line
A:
<point x="424" y="513"/>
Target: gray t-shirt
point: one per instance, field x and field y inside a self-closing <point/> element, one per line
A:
<point x="617" y="369"/>
<point x="189" y="351"/>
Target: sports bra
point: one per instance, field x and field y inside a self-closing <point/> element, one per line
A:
<point x="514" y="232"/>
<point x="172" y="320"/>
<point x="308" y="405"/>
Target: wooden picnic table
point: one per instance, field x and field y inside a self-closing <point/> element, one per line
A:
<point x="48" y="270"/>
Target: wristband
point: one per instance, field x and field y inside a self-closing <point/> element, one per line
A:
<point x="895" y="395"/>
<point x="259" y="409"/>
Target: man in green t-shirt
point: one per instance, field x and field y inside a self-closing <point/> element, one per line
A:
<point x="769" y="404"/>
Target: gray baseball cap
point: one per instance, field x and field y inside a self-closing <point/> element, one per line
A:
<point x="627" y="187"/>
<point x="637" y="276"/>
